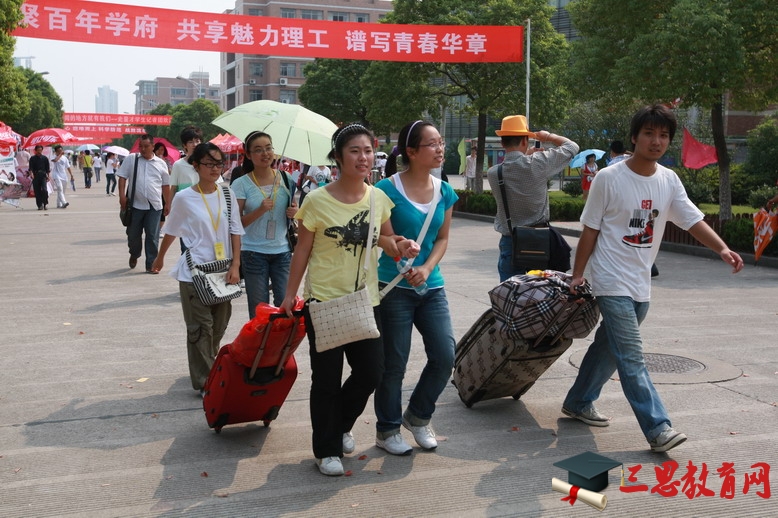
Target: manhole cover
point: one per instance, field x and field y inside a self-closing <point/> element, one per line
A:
<point x="670" y="364"/>
<point x="673" y="370"/>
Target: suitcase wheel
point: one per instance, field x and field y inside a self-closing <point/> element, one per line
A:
<point x="218" y="429"/>
<point x="266" y="423"/>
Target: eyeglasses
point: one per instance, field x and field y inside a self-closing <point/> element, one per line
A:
<point x="212" y="165"/>
<point x="435" y="145"/>
<point x="260" y="150"/>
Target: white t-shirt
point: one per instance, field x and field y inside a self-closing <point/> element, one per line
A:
<point x="182" y="176"/>
<point x="631" y="211"/>
<point x="321" y="176"/>
<point x="189" y="219"/>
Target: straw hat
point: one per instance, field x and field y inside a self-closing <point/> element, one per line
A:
<point x="514" y="126"/>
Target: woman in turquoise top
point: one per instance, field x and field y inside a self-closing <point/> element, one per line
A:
<point x="263" y="195"/>
<point x="402" y="308"/>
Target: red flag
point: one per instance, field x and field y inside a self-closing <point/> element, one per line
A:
<point x="695" y="154"/>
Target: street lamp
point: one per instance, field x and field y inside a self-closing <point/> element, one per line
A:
<point x="199" y="86"/>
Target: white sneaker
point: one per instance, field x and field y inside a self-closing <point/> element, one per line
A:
<point x="330" y="466"/>
<point x="394" y="444"/>
<point x="349" y="445"/>
<point x="423" y="435"/>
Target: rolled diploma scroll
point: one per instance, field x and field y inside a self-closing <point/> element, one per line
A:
<point x="596" y="500"/>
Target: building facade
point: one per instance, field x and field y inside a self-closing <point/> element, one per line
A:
<point x="253" y="77"/>
<point x="106" y="100"/>
<point x="174" y="90"/>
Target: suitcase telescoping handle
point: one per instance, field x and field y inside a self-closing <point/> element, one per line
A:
<point x="572" y="298"/>
<point x="296" y="316"/>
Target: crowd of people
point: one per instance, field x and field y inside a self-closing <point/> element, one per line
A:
<point x="244" y="222"/>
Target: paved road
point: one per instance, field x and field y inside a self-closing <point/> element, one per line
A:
<point x="98" y="417"/>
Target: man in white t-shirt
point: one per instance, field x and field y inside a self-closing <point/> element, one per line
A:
<point x="628" y="206"/>
<point x="470" y="162"/>
<point x="152" y="186"/>
<point x="183" y="175"/>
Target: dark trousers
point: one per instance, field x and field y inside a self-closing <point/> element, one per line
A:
<point x="41" y="192"/>
<point x="144" y="221"/>
<point x="335" y="407"/>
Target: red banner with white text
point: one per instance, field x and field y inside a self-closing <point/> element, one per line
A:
<point x="141" y="26"/>
<point x="108" y="129"/>
<point x="116" y="118"/>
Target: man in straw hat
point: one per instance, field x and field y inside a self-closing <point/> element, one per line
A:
<point x="525" y="172"/>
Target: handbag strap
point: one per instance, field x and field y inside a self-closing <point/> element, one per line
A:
<point x="228" y="200"/>
<point x="501" y="183"/>
<point x="438" y="187"/>
<point x="134" y="178"/>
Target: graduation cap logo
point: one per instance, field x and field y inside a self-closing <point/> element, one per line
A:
<point x="587" y="474"/>
<point x="588" y="470"/>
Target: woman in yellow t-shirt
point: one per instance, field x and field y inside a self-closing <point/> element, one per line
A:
<point x="331" y="243"/>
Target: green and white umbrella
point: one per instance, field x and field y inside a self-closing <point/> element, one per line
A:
<point x="297" y="133"/>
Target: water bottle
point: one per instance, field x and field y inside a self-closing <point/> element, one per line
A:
<point x="403" y="267"/>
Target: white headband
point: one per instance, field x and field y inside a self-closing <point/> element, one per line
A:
<point x="408" y="136"/>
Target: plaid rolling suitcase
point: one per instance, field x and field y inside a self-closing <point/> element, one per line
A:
<point x="514" y="343"/>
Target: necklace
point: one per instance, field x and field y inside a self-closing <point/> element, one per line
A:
<point x="214" y="223"/>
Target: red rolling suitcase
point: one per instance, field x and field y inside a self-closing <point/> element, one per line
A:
<point x="239" y="393"/>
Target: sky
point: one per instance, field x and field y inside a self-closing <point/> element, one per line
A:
<point x="77" y="70"/>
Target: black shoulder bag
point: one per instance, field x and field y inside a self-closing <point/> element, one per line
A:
<point x="537" y="247"/>
<point x="291" y="224"/>
<point x="126" y="214"/>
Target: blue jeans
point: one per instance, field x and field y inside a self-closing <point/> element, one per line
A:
<point x="505" y="261"/>
<point x="401" y="310"/>
<point x="144" y="221"/>
<point x="261" y="269"/>
<point x="617" y="346"/>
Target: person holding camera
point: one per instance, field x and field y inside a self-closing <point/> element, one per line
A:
<point x="526" y="172"/>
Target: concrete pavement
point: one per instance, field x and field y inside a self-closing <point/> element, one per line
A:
<point x="99" y="418"/>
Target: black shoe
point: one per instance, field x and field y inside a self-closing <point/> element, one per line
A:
<point x="45" y="207"/>
<point x="40" y="208"/>
<point x="133" y="262"/>
<point x="65" y="206"/>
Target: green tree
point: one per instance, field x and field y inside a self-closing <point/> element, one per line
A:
<point x="397" y="92"/>
<point x="199" y="113"/>
<point x="762" y="162"/>
<point x="332" y="89"/>
<point x="45" y="105"/>
<point x="14" y="99"/>
<point x="696" y="50"/>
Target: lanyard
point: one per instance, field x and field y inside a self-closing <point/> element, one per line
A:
<point x="215" y="224"/>
<point x="275" y="186"/>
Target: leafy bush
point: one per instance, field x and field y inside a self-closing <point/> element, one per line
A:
<point x="572" y="187"/>
<point x="759" y="196"/>
<point x="566" y="209"/>
<point x="483" y="203"/>
<point x="699" y="193"/>
<point x="762" y="161"/>
<point x="741" y="184"/>
<point x="738" y="233"/>
<point x="702" y="185"/>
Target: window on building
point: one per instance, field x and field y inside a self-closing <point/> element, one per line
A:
<point x="255" y="12"/>
<point x="288" y="13"/>
<point x="311" y="14"/>
<point x="255" y="95"/>
<point x="256" y="69"/>
<point x="213" y="92"/>
<point x="338" y="17"/>
<point x="149" y="89"/>
<point x="361" y="17"/>
<point x="288" y="97"/>
<point x="178" y="92"/>
<point x="289" y="69"/>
